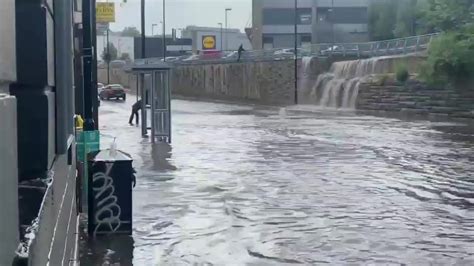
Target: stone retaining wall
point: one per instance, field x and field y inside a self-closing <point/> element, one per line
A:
<point x="270" y="82"/>
<point x="418" y="98"/>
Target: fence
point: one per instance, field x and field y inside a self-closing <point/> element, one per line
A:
<point x="400" y="46"/>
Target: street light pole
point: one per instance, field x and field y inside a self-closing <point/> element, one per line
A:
<point x="108" y="54"/>
<point x="164" y="30"/>
<point x="143" y="30"/>
<point x="226" y="31"/>
<point x="296" y="51"/>
<point x="222" y="48"/>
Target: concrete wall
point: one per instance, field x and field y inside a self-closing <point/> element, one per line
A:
<point x="417" y="98"/>
<point x="269" y="82"/>
<point x="117" y="76"/>
<point x="49" y="216"/>
<point x="9" y="225"/>
<point x="121" y="43"/>
<point x="7" y="44"/>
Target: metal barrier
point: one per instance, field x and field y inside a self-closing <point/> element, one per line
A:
<point x="400" y="46"/>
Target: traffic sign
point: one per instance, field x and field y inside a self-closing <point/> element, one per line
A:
<point x="105" y="12"/>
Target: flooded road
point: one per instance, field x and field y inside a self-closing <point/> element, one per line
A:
<point x="245" y="185"/>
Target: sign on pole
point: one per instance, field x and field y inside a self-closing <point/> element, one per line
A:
<point x="209" y="42"/>
<point x="105" y="12"/>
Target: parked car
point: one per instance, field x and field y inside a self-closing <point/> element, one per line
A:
<point x="171" y="59"/>
<point x="191" y="58"/>
<point x="113" y="91"/>
<point x="231" y="55"/>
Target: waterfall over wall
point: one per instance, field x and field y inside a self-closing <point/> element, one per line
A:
<point x="339" y="87"/>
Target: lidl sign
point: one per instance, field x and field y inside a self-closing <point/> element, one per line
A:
<point x="105" y="12"/>
<point x="209" y="42"/>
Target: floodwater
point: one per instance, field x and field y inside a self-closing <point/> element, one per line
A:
<point x="249" y="185"/>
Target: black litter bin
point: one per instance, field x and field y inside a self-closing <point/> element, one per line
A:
<point x="111" y="180"/>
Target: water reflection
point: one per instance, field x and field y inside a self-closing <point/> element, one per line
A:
<point x="160" y="156"/>
<point x="108" y="250"/>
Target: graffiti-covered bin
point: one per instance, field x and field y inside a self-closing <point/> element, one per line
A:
<point x="111" y="180"/>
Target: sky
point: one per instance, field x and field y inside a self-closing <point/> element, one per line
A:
<point x="182" y="13"/>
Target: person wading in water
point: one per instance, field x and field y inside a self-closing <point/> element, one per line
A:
<point x="135" y="108"/>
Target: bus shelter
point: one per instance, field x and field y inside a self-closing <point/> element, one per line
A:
<point x="154" y="89"/>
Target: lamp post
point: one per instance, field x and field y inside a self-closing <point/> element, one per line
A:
<point x="164" y="30"/>
<point x="296" y="51"/>
<point x="143" y="48"/>
<point x="226" y="41"/>
<point x="108" y="54"/>
<point x="220" y="24"/>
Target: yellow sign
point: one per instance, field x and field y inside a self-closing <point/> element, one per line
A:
<point x="209" y="42"/>
<point x="105" y="12"/>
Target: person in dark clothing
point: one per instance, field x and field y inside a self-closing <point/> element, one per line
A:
<point x="239" y="52"/>
<point x="135" y="108"/>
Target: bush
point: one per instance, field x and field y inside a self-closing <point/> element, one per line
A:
<point x="450" y="58"/>
<point x="401" y="73"/>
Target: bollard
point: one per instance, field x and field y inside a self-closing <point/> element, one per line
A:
<point x="111" y="180"/>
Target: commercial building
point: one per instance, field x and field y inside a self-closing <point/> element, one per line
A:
<point x="318" y="21"/>
<point x="154" y="47"/>
<point x="224" y="39"/>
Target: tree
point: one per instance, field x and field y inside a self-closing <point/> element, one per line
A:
<point x="406" y="19"/>
<point x="125" y="57"/>
<point x="448" y="15"/>
<point x="390" y="19"/>
<point x="450" y="56"/>
<point x="130" y="32"/>
<point x="112" y="53"/>
<point x="382" y="18"/>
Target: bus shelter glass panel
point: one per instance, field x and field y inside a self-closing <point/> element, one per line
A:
<point x="161" y="121"/>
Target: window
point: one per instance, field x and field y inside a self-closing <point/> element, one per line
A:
<point x="343" y="15"/>
<point x="286" y="16"/>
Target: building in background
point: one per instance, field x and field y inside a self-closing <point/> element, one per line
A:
<point x="154" y="47"/>
<point x="319" y="21"/>
<point x="124" y="45"/>
<point x="225" y="40"/>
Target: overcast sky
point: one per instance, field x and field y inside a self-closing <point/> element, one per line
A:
<point x="181" y="13"/>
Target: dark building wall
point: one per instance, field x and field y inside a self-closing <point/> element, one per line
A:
<point x="46" y="161"/>
<point x="325" y="21"/>
<point x="154" y="47"/>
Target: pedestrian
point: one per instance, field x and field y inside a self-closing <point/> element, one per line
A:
<point x="239" y="52"/>
<point x="135" y="108"/>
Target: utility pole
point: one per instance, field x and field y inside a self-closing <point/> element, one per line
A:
<point x="296" y="51"/>
<point x="226" y="29"/>
<point x="94" y="93"/>
<point x="220" y="24"/>
<point x="143" y="29"/>
<point x="164" y="30"/>
<point x="109" y="57"/>
<point x="87" y="13"/>
<point x="332" y="25"/>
